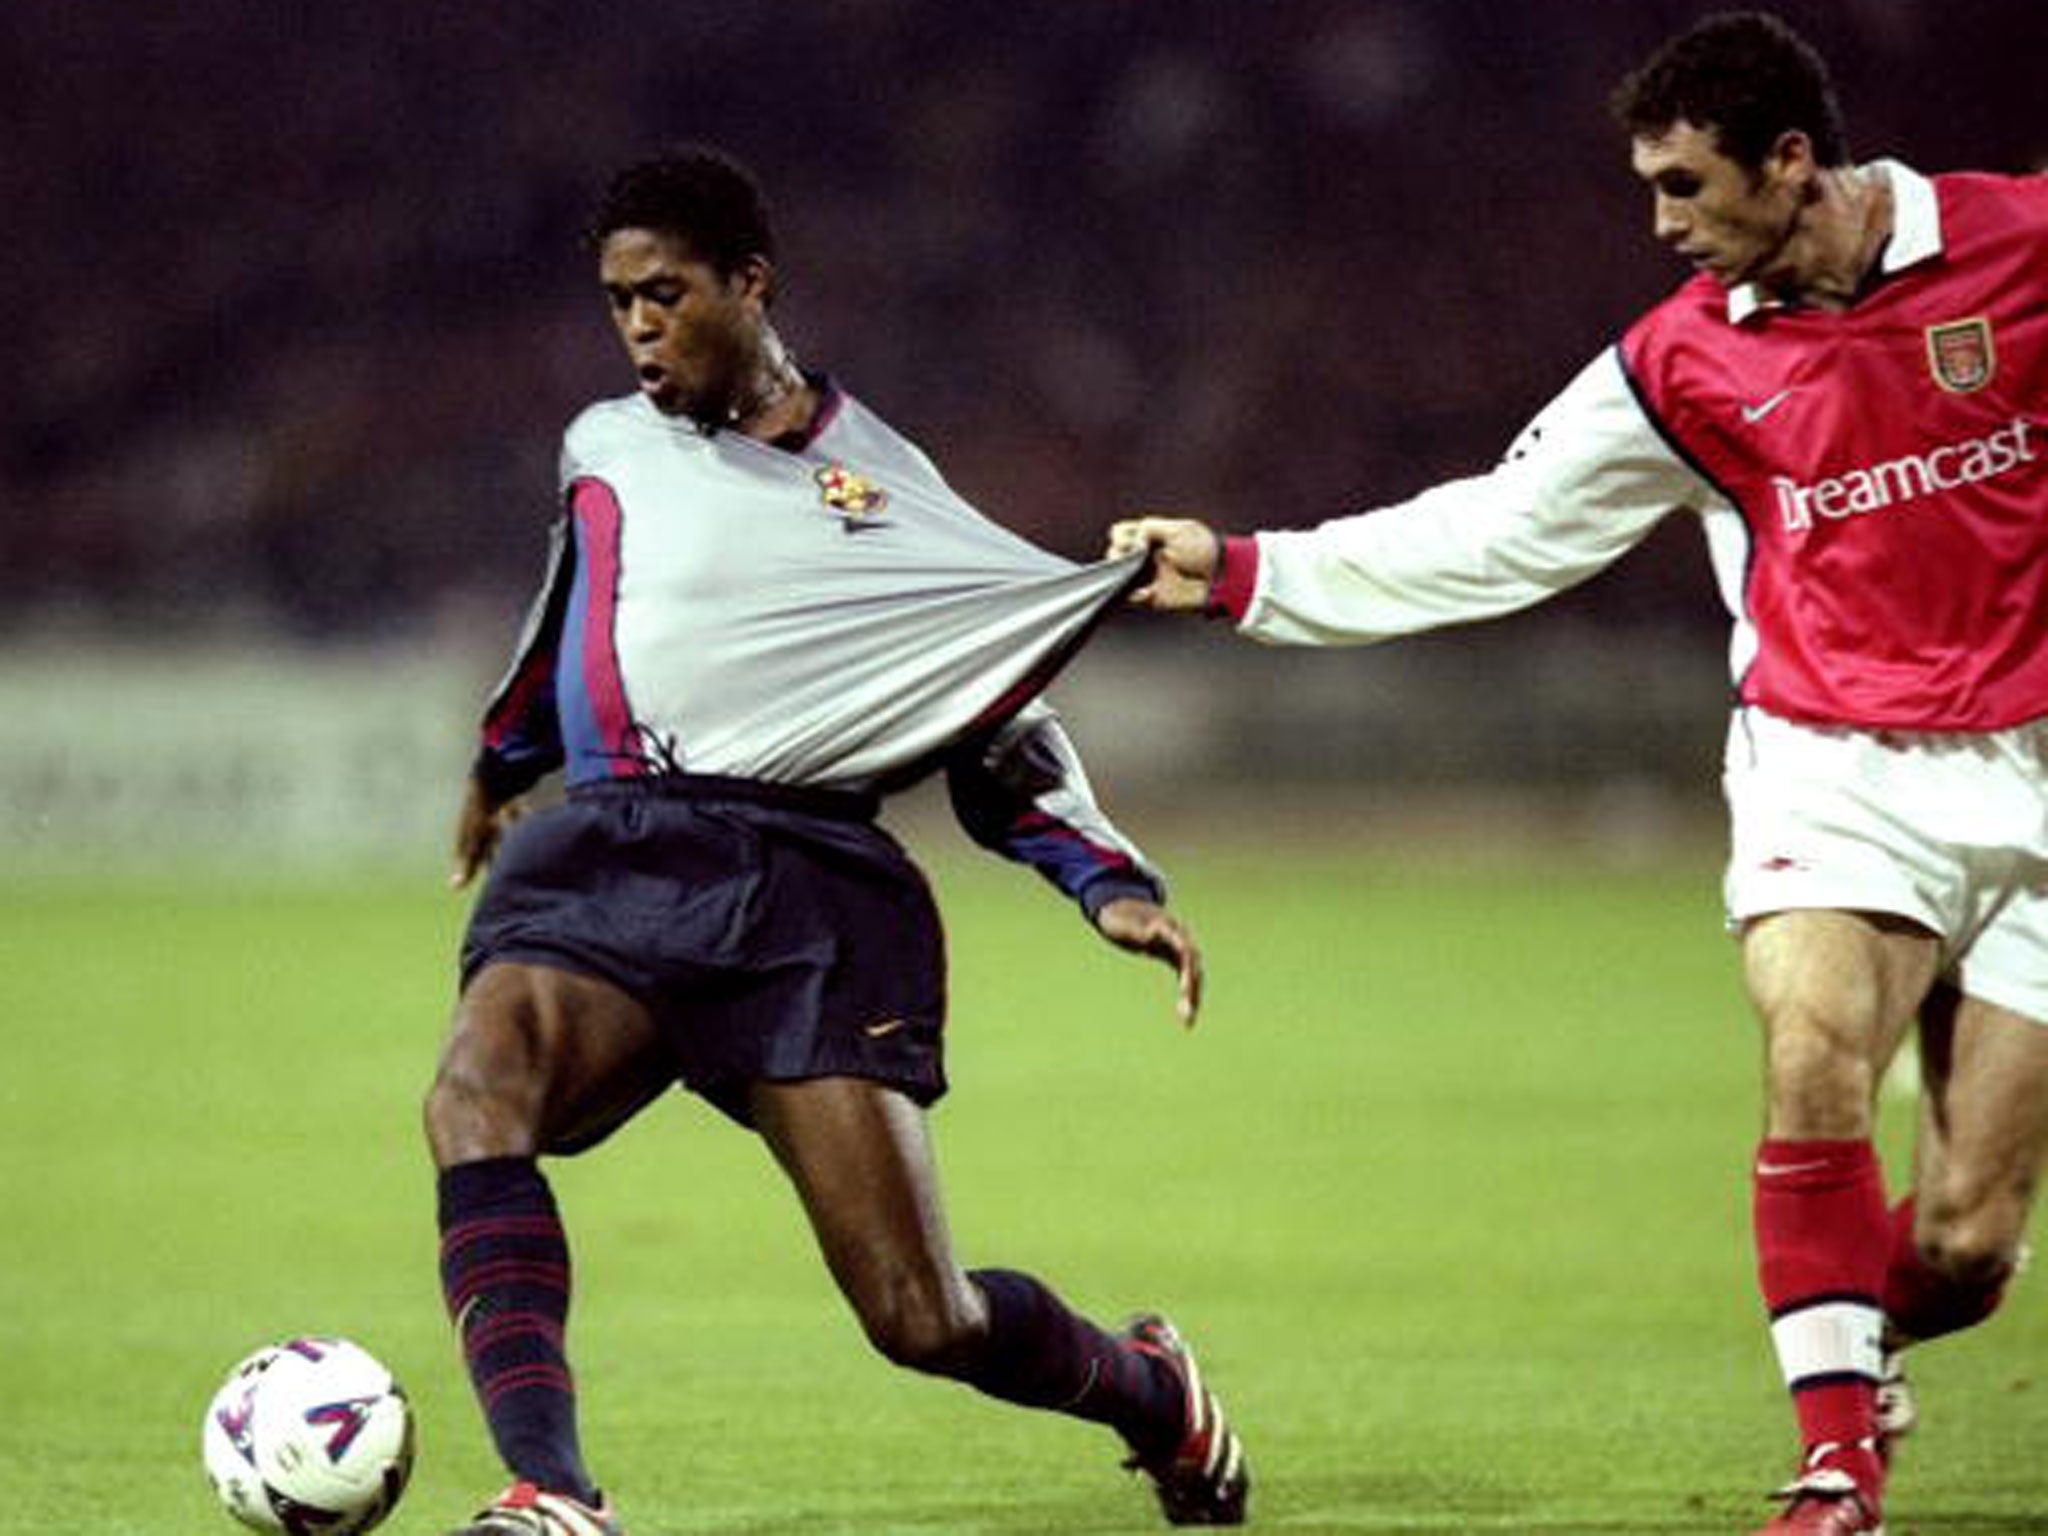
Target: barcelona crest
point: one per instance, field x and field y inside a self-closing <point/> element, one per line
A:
<point x="1961" y="355"/>
<point x="847" y="493"/>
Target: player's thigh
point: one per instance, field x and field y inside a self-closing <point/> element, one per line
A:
<point x="1836" y="992"/>
<point x="859" y="1156"/>
<point x="541" y="1059"/>
<point x="1856" y="977"/>
<point x="1983" y="1139"/>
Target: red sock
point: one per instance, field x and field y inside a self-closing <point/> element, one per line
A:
<point x="1920" y="1302"/>
<point x="1823" y="1238"/>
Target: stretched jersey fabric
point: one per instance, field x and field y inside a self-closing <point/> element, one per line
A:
<point x="823" y="613"/>
<point x="1873" y="483"/>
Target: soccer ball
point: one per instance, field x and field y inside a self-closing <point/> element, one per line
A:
<point x="311" y="1437"/>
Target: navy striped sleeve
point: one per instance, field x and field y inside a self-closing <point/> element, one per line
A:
<point x="521" y="730"/>
<point x="1026" y="797"/>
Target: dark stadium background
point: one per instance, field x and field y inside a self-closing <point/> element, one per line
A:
<point x="297" y="310"/>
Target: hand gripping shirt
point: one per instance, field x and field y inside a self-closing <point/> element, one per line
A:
<point x="1873" y="483"/>
<point x="827" y="614"/>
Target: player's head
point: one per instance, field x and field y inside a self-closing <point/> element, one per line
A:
<point x="697" y="194"/>
<point x="1732" y="123"/>
<point x="686" y="257"/>
<point x="1748" y="78"/>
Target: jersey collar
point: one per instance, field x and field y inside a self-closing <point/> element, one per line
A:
<point x="830" y="401"/>
<point x="1915" y="237"/>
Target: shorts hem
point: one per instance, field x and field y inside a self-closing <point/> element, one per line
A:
<point x="2032" y="1008"/>
<point x="728" y="1095"/>
<point x="550" y="957"/>
<point x="1836" y="901"/>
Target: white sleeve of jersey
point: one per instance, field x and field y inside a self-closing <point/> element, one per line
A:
<point x="1584" y="483"/>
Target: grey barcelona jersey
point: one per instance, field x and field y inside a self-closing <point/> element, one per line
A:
<point x="826" y="613"/>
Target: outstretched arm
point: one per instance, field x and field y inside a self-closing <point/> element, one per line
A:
<point x="1584" y="483"/>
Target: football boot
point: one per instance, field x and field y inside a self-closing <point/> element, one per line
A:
<point x="1825" y="1501"/>
<point x="525" y="1510"/>
<point x="1203" y="1479"/>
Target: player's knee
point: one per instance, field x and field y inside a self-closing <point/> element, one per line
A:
<point x="1970" y="1260"/>
<point x="1972" y="1244"/>
<point x="1821" y="1080"/>
<point x="921" y="1325"/>
<point x="486" y="1097"/>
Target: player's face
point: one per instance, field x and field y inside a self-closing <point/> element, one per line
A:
<point x="1726" y="219"/>
<point x="693" y="336"/>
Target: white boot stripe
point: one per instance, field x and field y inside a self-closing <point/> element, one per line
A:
<point x="569" y="1518"/>
<point x="1235" y="1461"/>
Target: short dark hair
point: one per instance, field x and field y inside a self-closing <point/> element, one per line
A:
<point x="700" y="195"/>
<point x="1745" y="75"/>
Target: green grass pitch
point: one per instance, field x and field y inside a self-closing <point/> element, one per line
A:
<point x="1449" y="1187"/>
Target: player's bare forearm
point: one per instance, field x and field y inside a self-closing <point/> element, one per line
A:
<point x="1185" y="554"/>
<point x="1146" y="928"/>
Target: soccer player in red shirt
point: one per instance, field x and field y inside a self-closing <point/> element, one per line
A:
<point x="1851" y="393"/>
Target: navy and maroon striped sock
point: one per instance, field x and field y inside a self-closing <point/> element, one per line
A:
<point x="505" y="1276"/>
<point x="1042" y="1355"/>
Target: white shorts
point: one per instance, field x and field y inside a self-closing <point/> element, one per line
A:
<point x="1949" y="830"/>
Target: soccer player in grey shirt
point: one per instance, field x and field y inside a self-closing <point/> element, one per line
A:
<point x="765" y="609"/>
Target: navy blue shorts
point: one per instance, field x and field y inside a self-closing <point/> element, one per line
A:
<point x="772" y="934"/>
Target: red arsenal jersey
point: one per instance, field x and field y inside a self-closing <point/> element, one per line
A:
<point x="1890" y="464"/>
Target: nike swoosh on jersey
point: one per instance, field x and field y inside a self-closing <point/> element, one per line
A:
<point x="1756" y="413"/>
<point x="886" y="1027"/>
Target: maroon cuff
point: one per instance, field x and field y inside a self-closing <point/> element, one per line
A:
<point x="1236" y="578"/>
